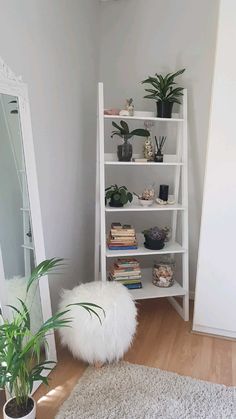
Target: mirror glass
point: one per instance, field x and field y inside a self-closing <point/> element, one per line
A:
<point x="17" y="256"/>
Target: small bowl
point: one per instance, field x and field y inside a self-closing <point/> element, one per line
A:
<point x="145" y="202"/>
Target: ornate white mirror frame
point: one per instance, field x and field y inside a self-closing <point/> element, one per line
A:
<point x="13" y="86"/>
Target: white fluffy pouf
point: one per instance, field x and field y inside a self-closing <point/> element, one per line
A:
<point x="89" y="340"/>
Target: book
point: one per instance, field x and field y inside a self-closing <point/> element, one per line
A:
<point x="123" y="238"/>
<point x="118" y="233"/>
<point x="125" y="269"/>
<point x="122" y="247"/>
<point x="126" y="280"/>
<point x="127" y="261"/>
<point x="116" y="225"/>
<point x="129" y="279"/>
<point x="133" y="286"/>
<point x="125" y="274"/>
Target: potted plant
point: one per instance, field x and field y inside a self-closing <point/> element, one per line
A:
<point x="20" y="363"/>
<point x="159" y="149"/>
<point x="154" y="238"/>
<point x="117" y="196"/>
<point x="164" y="93"/>
<point x="125" y="151"/>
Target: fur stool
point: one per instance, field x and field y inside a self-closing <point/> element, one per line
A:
<point x="89" y="340"/>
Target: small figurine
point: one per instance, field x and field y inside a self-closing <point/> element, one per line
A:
<point x="130" y="106"/>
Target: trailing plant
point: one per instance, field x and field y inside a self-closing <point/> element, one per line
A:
<point x="124" y="132"/>
<point x="20" y="358"/>
<point x="163" y="87"/>
<point x="119" y="195"/>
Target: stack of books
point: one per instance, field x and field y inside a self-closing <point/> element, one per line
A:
<point x="126" y="271"/>
<point x="122" y="237"/>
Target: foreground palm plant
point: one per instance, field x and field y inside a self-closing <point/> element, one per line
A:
<point x="20" y="349"/>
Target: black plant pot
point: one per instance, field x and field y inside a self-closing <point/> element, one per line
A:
<point x="153" y="244"/>
<point x="158" y="158"/>
<point x="114" y="203"/>
<point x="125" y="151"/>
<point x="164" y="109"/>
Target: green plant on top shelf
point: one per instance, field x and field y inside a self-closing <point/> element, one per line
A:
<point x="164" y="92"/>
<point x="117" y="196"/>
<point x="125" y="150"/>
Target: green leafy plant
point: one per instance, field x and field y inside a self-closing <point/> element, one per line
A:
<point x="20" y="349"/>
<point x="163" y="87"/>
<point x="118" y="196"/>
<point x="123" y="131"/>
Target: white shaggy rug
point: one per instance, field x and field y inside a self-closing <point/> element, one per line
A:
<point x="127" y="391"/>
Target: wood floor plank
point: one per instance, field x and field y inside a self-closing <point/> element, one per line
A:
<point x="162" y="340"/>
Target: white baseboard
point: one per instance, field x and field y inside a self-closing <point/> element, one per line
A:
<point x="228" y="334"/>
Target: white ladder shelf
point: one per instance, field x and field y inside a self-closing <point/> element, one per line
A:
<point x="179" y="162"/>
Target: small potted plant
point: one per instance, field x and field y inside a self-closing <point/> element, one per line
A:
<point x="154" y="238"/>
<point x="159" y="149"/>
<point x="125" y="151"/>
<point x="20" y="355"/>
<point x="163" y="92"/>
<point x="147" y="197"/>
<point x="117" y="196"/>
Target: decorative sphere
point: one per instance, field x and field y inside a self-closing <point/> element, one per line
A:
<point x="89" y="340"/>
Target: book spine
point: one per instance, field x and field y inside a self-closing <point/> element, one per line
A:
<point x="128" y="281"/>
<point x="122" y="247"/>
<point x="133" y="286"/>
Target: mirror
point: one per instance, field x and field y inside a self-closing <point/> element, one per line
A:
<point x="16" y="233"/>
<point x="21" y="236"/>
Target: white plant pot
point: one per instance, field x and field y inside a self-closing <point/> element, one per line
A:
<point x="30" y="415"/>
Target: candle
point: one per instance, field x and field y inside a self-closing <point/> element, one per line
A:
<point x="163" y="193"/>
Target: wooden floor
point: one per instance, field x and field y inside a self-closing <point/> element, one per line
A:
<point x="164" y="341"/>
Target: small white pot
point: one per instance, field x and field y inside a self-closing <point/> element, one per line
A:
<point x="145" y="202"/>
<point x="31" y="415"/>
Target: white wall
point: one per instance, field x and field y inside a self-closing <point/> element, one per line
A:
<point x="53" y="45"/>
<point x="140" y="38"/>
<point x="215" y="310"/>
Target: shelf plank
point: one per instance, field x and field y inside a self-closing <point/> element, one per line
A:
<point x="144" y="118"/>
<point x="152" y="291"/>
<point x="154" y="207"/>
<point x="170" y="247"/>
<point x="26" y="246"/>
<point x="140" y="163"/>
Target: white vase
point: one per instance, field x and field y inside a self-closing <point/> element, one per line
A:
<point x="30" y="415"/>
